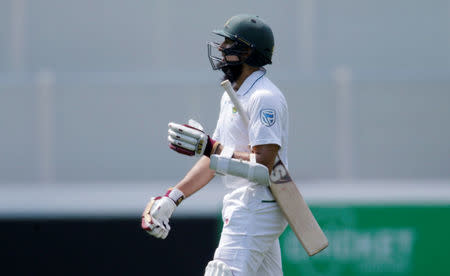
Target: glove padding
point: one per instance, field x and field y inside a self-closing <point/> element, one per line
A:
<point x="155" y="218"/>
<point x="190" y="139"/>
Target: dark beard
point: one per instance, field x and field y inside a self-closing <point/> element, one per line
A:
<point x="232" y="72"/>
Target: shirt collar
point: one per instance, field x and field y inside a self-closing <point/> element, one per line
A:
<point x="250" y="81"/>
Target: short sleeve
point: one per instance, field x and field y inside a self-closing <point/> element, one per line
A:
<point x="216" y="135"/>
<point x="266" y="114"/>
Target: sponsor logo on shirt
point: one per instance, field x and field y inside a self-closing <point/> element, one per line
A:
<point x="268" y="117"/>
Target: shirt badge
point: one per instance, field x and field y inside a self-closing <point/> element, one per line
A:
<point x="234" y="110"/>
<point x="268" y="117"/>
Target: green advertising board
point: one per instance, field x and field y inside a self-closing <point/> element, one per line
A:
<point x="375" y="240"/>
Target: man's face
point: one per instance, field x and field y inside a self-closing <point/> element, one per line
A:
<point x="228" y="43"/>
<point x="228" y="53"/>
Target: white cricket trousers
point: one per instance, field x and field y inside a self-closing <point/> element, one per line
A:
<point x="252" y="224"/>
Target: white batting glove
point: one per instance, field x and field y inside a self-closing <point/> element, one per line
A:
<point x="155" y="218"/>
<point x="190" y="139"/>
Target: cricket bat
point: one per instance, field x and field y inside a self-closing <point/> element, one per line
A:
<point x="291" y="202"/>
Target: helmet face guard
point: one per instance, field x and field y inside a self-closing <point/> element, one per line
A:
<point x="220" y="57"/>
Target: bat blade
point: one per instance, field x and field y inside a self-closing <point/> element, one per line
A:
<point x="296" y="211"/>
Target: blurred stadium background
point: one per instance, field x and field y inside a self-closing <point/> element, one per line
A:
<point x="87" y="89"/>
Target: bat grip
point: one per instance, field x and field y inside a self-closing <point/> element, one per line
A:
<point x="232" y="94"/>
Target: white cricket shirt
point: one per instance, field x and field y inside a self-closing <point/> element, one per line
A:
<point x="267" y="110"/>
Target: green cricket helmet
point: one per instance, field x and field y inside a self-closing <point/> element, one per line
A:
<point x="247" y="31"/>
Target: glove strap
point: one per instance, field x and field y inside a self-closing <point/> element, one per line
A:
<point x="176" y="195"/>
<point x="211" y="147"/>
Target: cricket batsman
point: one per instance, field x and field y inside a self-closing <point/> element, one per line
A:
<point x="252" y="220"/>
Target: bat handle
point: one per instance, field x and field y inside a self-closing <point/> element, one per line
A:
<point x="226" y="84"/>
<point x="232" y="94"/>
